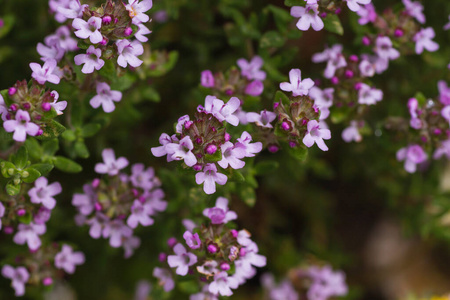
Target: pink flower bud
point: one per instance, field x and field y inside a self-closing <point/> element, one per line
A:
<point x="13" y="107"/>
<point x="47" y="281"/>
<point x="358" y="86"/>
<point x="353" y="58"/>
<point x="366" y="41"/>
<point x="323" y="15"/>
<point x="21" y="212"/>
<point x="98" y="206"/>
<point x="162" y="257"/>
<point x="12" y="91"/>
<point x="46" y="106"/>
<point x="171" y="242"/>
<point x="275" y="105"/>
<point x="95" y="183"/>
<point x="188" y="124"/>
<point x="224" y="266"/>
<point x="212" y="248"/>
<point x="437" y="131"/>
<point x="211" y="149"/>
<point x="273" y="148"/>
<point x="26" y="106"/>
<point x="128" y="31"/>
<point x="234" y="233"/>
<point x="348" y="74"/>
<point x="292" y="144"/>
<point x="197" y="167"/>
<point x="285" y="126"/>
<point x="8" y="229"/>
<point x="227" y="137"/>
<point x="106" y="20"/>
<point x="242" y="252"/>
<point x="40" y="132"/>
<point x="398" y="32"/>
<point x="334" y="80"/>
<point x="338" y="11"/>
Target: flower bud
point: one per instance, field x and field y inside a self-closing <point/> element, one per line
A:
<point x="46" y="106"/>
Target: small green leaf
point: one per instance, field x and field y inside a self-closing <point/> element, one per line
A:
<point x="123" y="82"/>
<point x="248" y="195"/>
<point x="8" y="169"/>
<point x="83" y="45"/>
<point x="149" y="93"/>
<point x="20" y="159"/>
<point x="69" y="135"/>
<point x="34" y="149"/>
<point x="280" y="96"/>
<point x="29" y="175"/>
<point x="50" y="147"/>
<point x="81" y="149"/>
<point x="12" y="189"/>
<point x="67" y="165"/>
<point x="108" y="70"/>
<point x="272" y="39"/>
<point x="44" y="169"/>
<point x="8" y="22"/>
<point x="333" y="24"/>
<point x="237" y="176"/>
<point x="266" y="167"/>
<point x="214" y="157"/>
<point x="421" y="99"/>
<point x="51" y="130"/>
<point x="299" y="153"/>
<point x="26" y="218"/>
<point x="91" y="129"/>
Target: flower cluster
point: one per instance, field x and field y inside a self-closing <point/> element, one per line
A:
<point x="221" y="258"/>
<point x="203" y="142"/>
<point x="114" y="205"/>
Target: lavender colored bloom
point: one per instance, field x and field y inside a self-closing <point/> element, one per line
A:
<point x="323" y="100"/>
<point x="447" y="26"/>
<point x="243" y="238"/>
<point x="2" y="213"/>
<point x="91" y="60"/>
<point x="74" y="9"/>
<point x="412" y="155"/>
<point x="210" y="177"/>
<point x="143" y="289"/>
<point x="249" y="257"/>
<point x="366" y="68"/>
<point x="137" y="10"/>
<point x="140" y="35"/>
<point x="67" y="259"/>
<point x="182" y="260"/>
<point x="423" y="40"/>
<point x="263" y="119"/>
<point x="19" y="277"/>
<point x="21" y="126"/>
<point x="296" y="85"/>
<point x="42" y="216"/>
<point x="140" y="214"/>
<point x="43" y="193"/>
<point x="444" y="92"/>
<point x="128" y="52"/>
<point x="415" y="122"/>
<point x="142" y="178"/>
<point x="254" y="88"/>
<point x="183" y="150"/>
<point x="58" y="106"/>
<point x="50" y="51"/>
<point x="250" y="148"/>
<point x="55" y="4"/>
<point x="251" y="70"/>
<point x="62" y="38"/>
<point x="384" y="48"/>
<point x="220" y="214"/>
<point x="444" y="149"/>
<point x="351" y="133"/>
<point x="3" y="108"/>
<point x="223" y="112"/>
<point x="223" y="284"/>
<point x="164" y="140"/>
<point x="98" y="223"/>
<point x="414" y="9"/>
<point x="368" y="95"/>
<point x="111" y="166"/>
<point x="85" y="202"/>
<point x="192" y="240"/>
<point x="30" y="234"/>
<point x="130" y="244"/>
<point x="445" y="113"/>
<point x="309" y="17"/>
<point x="231" y="155"/>
<point x="116" y="231"/>
<point x="283" y="291"/>
<point x="326" y="283"/>
<point x="207" y="79"/>
<point x="316" y="135"/>
<point x="209" y="268"/>
<point x="181" y="121"/>
<point x="165" y="278"/>
<point x="204" y="295"/>
<point x="354" y="5"/>
<point x="46" y="72"/>
<point x="105" y="97"/>
<point x="334" y="58"/>
<point x="367" y="14"/>
<point x="89" y="29"/>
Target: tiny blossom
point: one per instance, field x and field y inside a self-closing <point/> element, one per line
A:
<point x="46" y="72"/>
<point x="368" y="95"/>
<point x="334" y="58"/>
<point x="164" y="140"/>
<point x="140" y="35"/>
<point x="140" y="215"/>
<point x="182" y="260"/>
<point x="89" y="29"/>
<point x="447" y="26"/>
<point x="326" y="283"/>
<point x="209" y="268"/>
<point x="54" y="5"/>
<point x="220" y="214"/>
<point x="316" y="135"/>
<point x="42" y="216"/>
<point x="105" y="97"/>
<point x="111" y="166"/>
<point x="91" y="60"/>
<point x="142" y="178"/>
<point x="42" y="192"/>
<point x="165" y="278"/>
<point x="128" y="52"/>
<point x="98" y="223"/>
<point x="367" y="14"/>
<point x="251" y="69"/>
<point x="192" y="240"/>
<point x="116" y="231"/>
<point x="210" y="177"/>
<point x="414" y="9"/>
<point x="423" y="40"/>
<point x="19" y="277"/>
<point x="85" y="202"/>
<point x="283" y="291"/>
<point x="254" y="88"/>
<point x="250" y="257"/>
<point x="263" y="119"/>
<point x="21" y="126"/>
<point x="444" y="92"/>
<point x="366" y="68"/>
<point x="445" y="113"/>
<point x="2" y="213"/>
<point x="244" y="142"/>
<point x="231" y="156"/>
<point x="413" y="105"/>
<point x="137" y="10"/>
<point x="50" y="51"/>
<point x="296" y="85"/>
<point x="3" y="108"/>
<point x="74" y="10"/>
<point x="351" y="133"/>
<point x="30" y="234"/>
<point x="323" y="100"/>
<point x="223" y="284"/>
<point x="143" y="289"/>
<point x="243" y="237"/>
<point x="130" y="244"/>
<point x="354" y="5"/>
<point x="62" y="38"/>
<point x="384" y="48"/>
<point x="412" y="155"/>
<point x="222" y="111"/>
<point x="67" y="259"/>
<point x="309" y="17"/>
<point x="207" y="79"/>
<point x="58" y="106"/>
<point x="183" y="151"/>
<point x="181" y="121"/>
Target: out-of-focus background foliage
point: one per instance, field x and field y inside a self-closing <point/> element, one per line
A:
<point x="353" y="206"/>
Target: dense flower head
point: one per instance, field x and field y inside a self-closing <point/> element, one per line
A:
<point x="326" y="283"/>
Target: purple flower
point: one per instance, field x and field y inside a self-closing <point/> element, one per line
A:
<point x="254" y="88"/>
<point x="165" y="278"/>
<point x="46" y="72"/>
<point x="249" y="257"/>
<point x="231" y="155"/>
<point x="19" y="277"/>
<point x="323" y="100"/>
<point x="85" y="202"/>
<point x="137" y="10"/>
<point x="2" y="213"/>
<point x="91" y="60"/>
<point x="283" y="291"/>
<point x="105" y="97"/>
<point x="262" y="119"/>
<point x="62" y="38"/>
<point x="164" y="140"/>
<point x="130" y="243"/>
<point x="55" y="4"/>
<point x="183" y="150"/>
<point x="444" y="92"/>
<point x="98" y="223"/>
<point x="444" y="149"/>
<point x="384" y="48"/>
<point x="116" y="231"/>
<point x="297" y="86"/>
<point x="89" y="29"/>
<point x="353" y="5"/>
<point x="351" y="133"/>
<point x="367" y="14"/>
<point x="334" y="58"/>
<point x="223" y="112"/>
<point x="3" y="108"/>
<point x="43" y="193"/>
<point x="207" y="79"/>
<point x="251" y="70"/>
<point x="445" y="113"/>
<point x="142" y="178"/>
<point x="140" y="34"/>
<point x="42" y="216"/>
<point x="58" y="106"/>
<point x="326" y="283"/>
<point x="220" y="214"/>
<point x="223" y="284"/>
<point x="111" y="166"/>
<point x="368" y="95"/>
<point x="210" y="177"/>
<point x="143" y="289"/>
<point x="21" y="126"/>
<point x="182" y="260"/>
<point x="209" y="268"/>
<point x="53" y="51"/>
<point x="250" y="148"/>
<point x="30" y="234"/>
<point x="309" y="17"/>
<point x="447" y="26"/>
<point x="66" y="259"/>
<point x="413" y="105"/>
<point x="128" y="52"/>
<point x="73" y="10"/>
<point x="412" y="155"/>
<point x="414" y="9"/>
<point x="423" y="40"/>
<point x="366" y="68"/>
<point x="316" y="135"/>
<point x="192" y="240"/>
<point x="140" y="214"/>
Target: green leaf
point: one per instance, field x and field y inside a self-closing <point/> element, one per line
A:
<point x="280" y="96"/>
<point x="248" y="195"/>
<point x="333" y="24"/>
<point x="299" y="153"/>
<point x="8" y="22"/>
<point x="81" y="149"/>
<point x="44" y="169"/>
<point x="272" y="39"/>
<point x="83" y="45"/>
<point x="237" y="176"/>
<point x="67" y="165"/>
<point x="294" y="2"/>
<point x="108" y="71"/>
<point x="34" y="149"/>
<point x="51" y="130"/>
<point x="8" y="169"/>
<point x="69" y="135"/>
<point x="214" y="157"/>
<point x="20" y="159"/>
<point x="91" y="129"/>
<point x="12" y="189"/>
<point x="26" y="218"/>
<point x="123" y="82"/>
<point x="29" y="175"/>
<point x="50" y="147"/>
<point x="266" y="167"/>
<point x="149" y="93"/>
<point x="421" y="99"/>
<point x="166" y="66"/>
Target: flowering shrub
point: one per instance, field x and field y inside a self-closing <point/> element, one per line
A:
<point x="308" y="123"/>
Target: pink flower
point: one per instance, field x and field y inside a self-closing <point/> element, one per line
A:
<point x="316" y="135"/>
<point x="210" y="177"/>
<point x="3" y="108"/>
<point x="223" y="112"/>
<point x="53" y="51"/>
<point x="384" y="48"/>
<point x="244" y="142"/>
<point x="334" y="58"/>
<point x="128" y="52"/>
<point x="165" y="278"/>
<point x="351" y="133"/>
<point x="414" y="9"/>
<point x="89" y="29"/>
<point x="137" y="10"/>
<point x="444" y="149"/>
<point x="423" y="40"/>
<point x="58" y="106"/>
<point x="140" y="214"/>
<point x="183" y="150"/>
<point x="73" y="10"/>
<point x="66" y="259"/>
<point x="444" y="92"/>
<point x="182" y="260"/>
<point x="62" y="38"/>
<point x="85" y="202"/>
<point x="21" y="126"/>
<point x="368" y="95"/>
<point x="263" y="119"/>
<point x="142" y="178"/>
<point x="309" y="17"/>
<point x="117" y="231"/>
<point x="297" y="86"/>
<point x="130" y="244"/>
<point x="353" y="5"/>
<point x="412" y="155"/>
<point x="254" y="88"/>
<point x="105" y="97"/>
<point x="164" y="140"/>
<point x="367" y="14"/>
<point x="43" y="193"/>
<point x="220" y="214"/>
<point x="223" y="284"/>
<point x="326" y="283"/>
<point x="323" y="100"/>
<point x="19" y="277"/>
<point x="251" y="70"/>
<point x="91" y="60"/>
<point x="30" y="234"/>
<point x="231" y="155"/>
<point x="192" y="240"/>
<point x="46" y="72"/>
<point x="207" y="79"/>
<point x="111" y="166"/>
